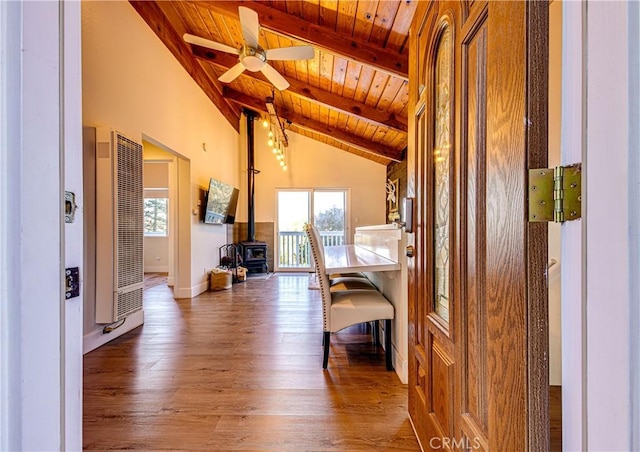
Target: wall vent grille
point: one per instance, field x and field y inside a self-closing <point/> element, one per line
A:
<point x="130" y="220"/>
<point x="119" y="227"/>
<point x="128" y="303"/>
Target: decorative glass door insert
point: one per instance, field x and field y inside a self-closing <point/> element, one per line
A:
<point x="442" y="167"/>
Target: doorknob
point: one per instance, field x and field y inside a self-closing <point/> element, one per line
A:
<point x="410" y="251"/>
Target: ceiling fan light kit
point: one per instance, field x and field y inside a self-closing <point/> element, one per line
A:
<point x="253" y="59"/>
<point x="251" y="56"/>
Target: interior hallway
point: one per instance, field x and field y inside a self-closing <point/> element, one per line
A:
<point x="241" y="369"/>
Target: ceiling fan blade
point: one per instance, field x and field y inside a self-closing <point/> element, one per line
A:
<point x="232" y="73"/>
<point x="202" y="42"/>
<point x="274" y="77"/>
<point x="291" y="53"/>
<point x="250" y="26"/>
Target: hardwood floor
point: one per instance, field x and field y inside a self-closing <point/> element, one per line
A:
<point x="154" y="279"/>
<point x="241" y="369"/>
<point x="555" y="417"/>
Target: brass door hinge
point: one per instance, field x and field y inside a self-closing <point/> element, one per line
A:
<point x="555" y="194"/>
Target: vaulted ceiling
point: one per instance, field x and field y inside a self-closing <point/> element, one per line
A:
<point x="352" y="95"/>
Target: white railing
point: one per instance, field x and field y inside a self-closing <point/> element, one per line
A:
<point x="293" y="247"/>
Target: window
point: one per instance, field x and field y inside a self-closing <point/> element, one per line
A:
<point x="326" y="208"/>
<point x="156" y="212"/>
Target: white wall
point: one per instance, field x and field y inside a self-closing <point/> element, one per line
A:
<point x="156" y="173"/>
<point x="312" y="164"/>
<point x="156" y="254"/>
<point x="132" y="83"/>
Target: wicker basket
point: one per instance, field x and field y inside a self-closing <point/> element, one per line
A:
<point x="221" y="279"/>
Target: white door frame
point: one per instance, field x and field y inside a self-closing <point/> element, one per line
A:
<point x="600" y="288"/>
<point x="40" y="147"/>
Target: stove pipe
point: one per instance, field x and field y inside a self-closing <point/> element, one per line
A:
<point x="251" y="173"/>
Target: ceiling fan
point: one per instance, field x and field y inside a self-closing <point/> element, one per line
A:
<point x="253" y="57"/>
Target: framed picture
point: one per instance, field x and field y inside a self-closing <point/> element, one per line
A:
<point x="392" y="195"/>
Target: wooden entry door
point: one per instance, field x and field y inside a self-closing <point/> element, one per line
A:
<point x="478" y="378"/>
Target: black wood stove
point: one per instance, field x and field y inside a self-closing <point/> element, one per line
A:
<point x="254" y="253"/>
<point x="254" y="256"/>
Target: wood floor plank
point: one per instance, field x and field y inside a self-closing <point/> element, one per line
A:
<point x="555" y="418"/>
<point x="241" y="370"/>
<point x="165" y="430"/>
<point x="283" y="402"/>
<point x="326" y="433"/>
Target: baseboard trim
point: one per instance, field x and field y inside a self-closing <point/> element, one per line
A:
<point x="200" y="288"/>
<point x="191" y="291"/>
<point x="181" y="292"/>
<point x="401" y="366"/>
<point x="96" y="339"/>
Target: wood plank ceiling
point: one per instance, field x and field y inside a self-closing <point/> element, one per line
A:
<point x="352" y="95"/>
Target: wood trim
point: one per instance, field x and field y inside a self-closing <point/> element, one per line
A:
<point x="537" y="18"/>
<point x="471" y="429"/>
<point x="352" y="48"/>
<point x="310" y="93"/>
<point x="471" y="337"/>
<point x="317" y="127"/>
<point x="508" y="308"/>
<point x="157" y="21"/>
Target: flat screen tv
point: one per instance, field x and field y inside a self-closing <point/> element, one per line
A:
<point x="222" y="200"/>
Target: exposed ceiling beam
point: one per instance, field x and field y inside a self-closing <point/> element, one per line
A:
<point x="304" y="90"/>
<point x="323" y="129"/>
<point x="157" y="21"/>
<point x="355" y="49"/>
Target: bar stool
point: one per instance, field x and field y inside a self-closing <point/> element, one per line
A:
<point x="344" y="308"/>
